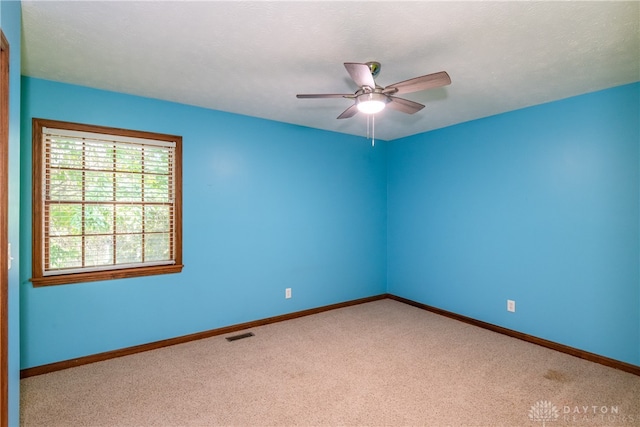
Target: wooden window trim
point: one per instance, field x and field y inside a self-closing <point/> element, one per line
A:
<point x="4" y="230"/>
<point x="39" y="279"/>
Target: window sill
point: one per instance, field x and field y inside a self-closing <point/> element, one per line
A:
<point x="66" y="279"/>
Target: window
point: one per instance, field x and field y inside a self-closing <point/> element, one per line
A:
<point x="107" y="203"/>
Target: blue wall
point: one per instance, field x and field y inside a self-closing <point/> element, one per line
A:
<point x="266" y="206"/>
<point x="10" y="22"/>
<point x="539" y="205"/>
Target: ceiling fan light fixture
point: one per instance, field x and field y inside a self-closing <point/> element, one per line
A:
<point x="371" y="103"/>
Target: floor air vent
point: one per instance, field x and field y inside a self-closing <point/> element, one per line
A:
<point x="239" y="337"/>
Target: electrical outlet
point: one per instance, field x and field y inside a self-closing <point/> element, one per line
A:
<point x="287" y="293"/>
<point x="511" y="305"/>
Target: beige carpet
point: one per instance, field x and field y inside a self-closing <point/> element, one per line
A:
<point x="380" y="363"/>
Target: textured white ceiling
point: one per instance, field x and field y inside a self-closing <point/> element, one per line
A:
<point x="252" y="58"/>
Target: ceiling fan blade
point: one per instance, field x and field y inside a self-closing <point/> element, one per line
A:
<point x="361" y="74"/>
<point x="404" y="105"/>
<point x="429" y="81"/>
<point x="325" y="95"/>
<point x="349" y="112"/>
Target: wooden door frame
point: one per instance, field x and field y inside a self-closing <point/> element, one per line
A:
<point x="4" y="230"/>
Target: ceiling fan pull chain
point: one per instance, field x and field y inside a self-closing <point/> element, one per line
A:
<point x="368" y="126"/>
<point x="373" y="130"/>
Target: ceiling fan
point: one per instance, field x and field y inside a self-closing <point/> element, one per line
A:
<point x="371" y="98"/>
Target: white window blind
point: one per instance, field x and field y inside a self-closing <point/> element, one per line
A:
<point x="108" y="201"/>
